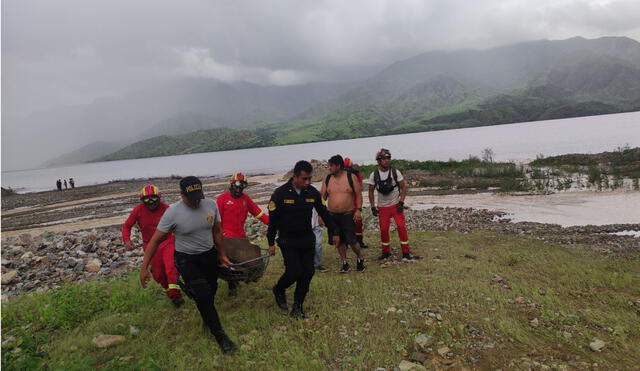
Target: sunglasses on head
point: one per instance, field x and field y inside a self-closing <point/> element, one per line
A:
<point x="383" y="157"/>
<point x="150" y="200"/>
<point x="239" y="184"/>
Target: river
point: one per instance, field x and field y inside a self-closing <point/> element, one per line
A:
<point x="518" y="142"/>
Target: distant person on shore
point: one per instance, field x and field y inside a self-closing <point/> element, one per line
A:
<point x="343" y="193"/>
<point x="317" y="224"/>
<point x="195" y="223"/>
<point x="72" y="183"/>
<point x="59" y="184"/>
<point x="146" y="215"/>
<point x="234" y="205"/>
<point x="392" y="190"/>
<point x="65" y="184"/>
<point x="351" y="168"/>
<point x="290" y="211"/>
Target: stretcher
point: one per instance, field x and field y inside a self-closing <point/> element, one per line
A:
<point x="249" y="261"/>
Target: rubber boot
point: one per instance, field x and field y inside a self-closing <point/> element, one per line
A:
<point x="281" y="299"/>
<point x="226" y="345"/>
<point x="297" y="311"/>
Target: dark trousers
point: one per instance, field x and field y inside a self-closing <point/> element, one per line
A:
<point x="200" y="274"/>
<point x="298" y="266"/>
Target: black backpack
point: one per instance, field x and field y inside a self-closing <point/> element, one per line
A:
<point x="386" y="186"/>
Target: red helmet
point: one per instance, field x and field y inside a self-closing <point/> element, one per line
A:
<point x="239" y="179"/>
<point x="149" y="190"/>
<point x="347" y="162"/>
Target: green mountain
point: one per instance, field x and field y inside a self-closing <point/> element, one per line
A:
<point x="440" y="90"/>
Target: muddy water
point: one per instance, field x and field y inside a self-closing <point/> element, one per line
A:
<point x="564" y="208"/>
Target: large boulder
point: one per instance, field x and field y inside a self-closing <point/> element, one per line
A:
<point x="320" y="171"/>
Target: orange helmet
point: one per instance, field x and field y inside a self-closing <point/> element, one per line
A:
<point x="239" y="180"/>
<point x="149" y="190"/>
<point x="347" y="162"/>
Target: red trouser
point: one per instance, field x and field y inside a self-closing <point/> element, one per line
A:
<point x="164" y="270"/>
<point x="385" y="215"/>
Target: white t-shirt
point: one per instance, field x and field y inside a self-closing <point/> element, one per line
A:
<point x="314" y="213"/>
<point x="391" y="198"/>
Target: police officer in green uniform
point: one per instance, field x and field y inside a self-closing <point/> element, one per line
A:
<point x="290" y="210"/>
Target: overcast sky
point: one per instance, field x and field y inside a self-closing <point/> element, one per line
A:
<point x="74" y="51"/>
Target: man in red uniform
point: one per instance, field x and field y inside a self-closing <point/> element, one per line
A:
<point x="146" y="215"/>
<point x="348" y="166"/>
<point x="234" y="206"/>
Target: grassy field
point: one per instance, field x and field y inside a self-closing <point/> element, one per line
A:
<point x="361" y="320"/>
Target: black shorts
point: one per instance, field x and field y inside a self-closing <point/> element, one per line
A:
<point x="345" y="228"/>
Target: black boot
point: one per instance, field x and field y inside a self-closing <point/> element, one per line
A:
<point x="226" y="345"/>
<point x="362" y="244"/>
<point x="281" y="299"/>
<point x="297" y="311"/>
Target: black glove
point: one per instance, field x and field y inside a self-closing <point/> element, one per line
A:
<point x="374" y="211"/>
<point x="400" y="206"/>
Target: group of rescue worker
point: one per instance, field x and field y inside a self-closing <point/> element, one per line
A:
<point x="186" y="239"/>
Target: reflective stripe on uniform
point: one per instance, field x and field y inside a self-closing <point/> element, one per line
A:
<point x="261" y="214"/>
<point x="404" y="242"/>
<point x="385" y="243"/>
<point x="174" y="286"/>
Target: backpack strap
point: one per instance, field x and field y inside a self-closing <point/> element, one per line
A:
<point x="326" y="181"/>
<point x="349" y="178"/>
<point x="394" y="173"/>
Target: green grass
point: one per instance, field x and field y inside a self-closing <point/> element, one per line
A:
<point x="569" y="290"/>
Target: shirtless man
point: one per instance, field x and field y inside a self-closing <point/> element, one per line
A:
<point x="344" y="198"/>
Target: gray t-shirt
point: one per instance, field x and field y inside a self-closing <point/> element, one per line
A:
<point x="393" y="197"/>
<point x="192" y="227"/>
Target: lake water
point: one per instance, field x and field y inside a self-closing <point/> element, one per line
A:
<point x="521" y="141"/>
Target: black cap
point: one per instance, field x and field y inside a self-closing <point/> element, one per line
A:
<point x="191" y="187"/>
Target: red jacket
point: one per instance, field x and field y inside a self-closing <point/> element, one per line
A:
<point x="147" y="221"/>
<point x="233" y="212"/>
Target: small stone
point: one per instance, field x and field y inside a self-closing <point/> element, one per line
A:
<point x="103" y="244"/>
<point x="25" y="239"/>
<point x="106" y="341"/>
<point x="9" y="277"/>
<point x="520" y="300"/>
<point x="443" y="351"/>
<point x="597" y="345"/>
<point x="392" y="310"/>
<point x="133" y="330"/>
<point x="27" y="256"/>
<point x="566" y="334"/>
<point x="534" y="322"/>
<point x="93" y="265"/>
<point x="71" y="262"/>
<point x="245" y="347"/>
<point x="8" y="342"/>
<point x="438" y="317"/>
<point x="410" y="366"/>
<point x="423" y="340"/>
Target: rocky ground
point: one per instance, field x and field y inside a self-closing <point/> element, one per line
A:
<point x="52" y="237"/>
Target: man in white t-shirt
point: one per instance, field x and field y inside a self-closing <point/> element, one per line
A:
<point x="392" y="190"/>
